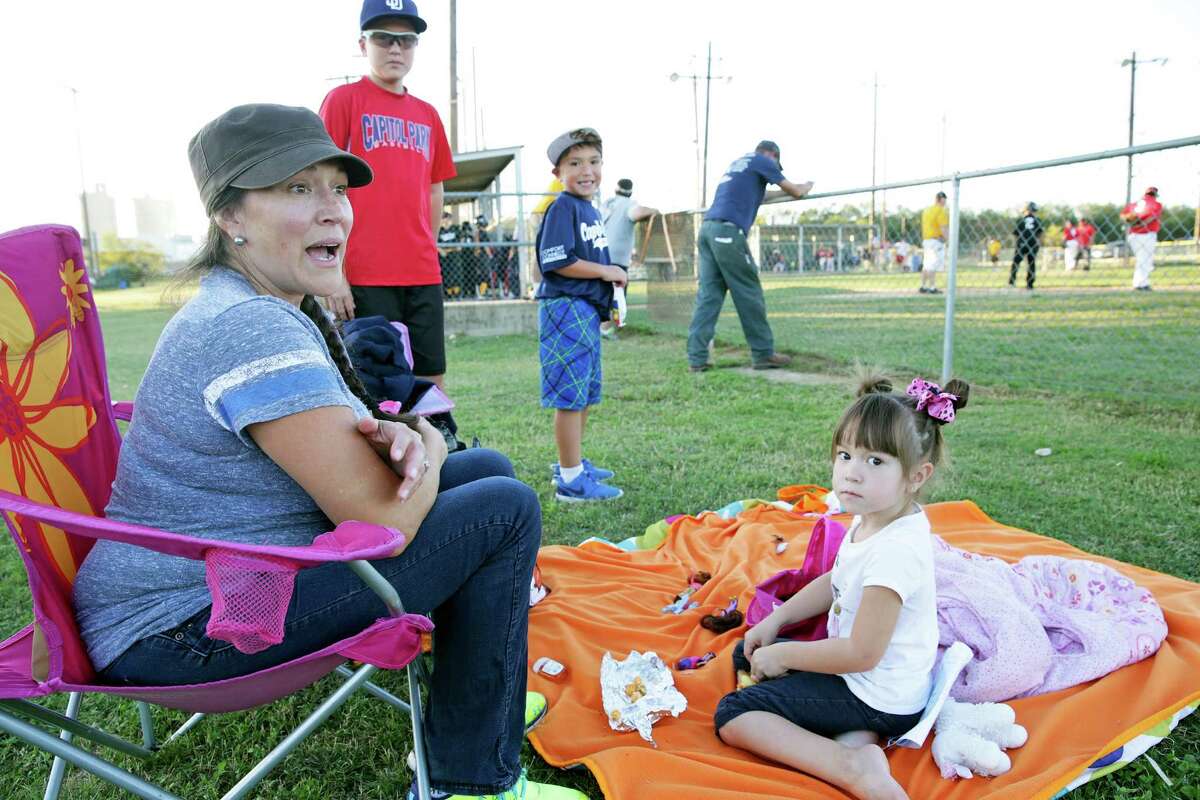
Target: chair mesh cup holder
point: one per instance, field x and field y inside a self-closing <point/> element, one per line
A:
<point x="250" y="598"/>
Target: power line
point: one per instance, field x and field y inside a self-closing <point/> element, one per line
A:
<point x="708" y="78"/>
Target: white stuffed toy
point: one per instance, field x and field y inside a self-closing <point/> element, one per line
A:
<point x="972" y="737"/>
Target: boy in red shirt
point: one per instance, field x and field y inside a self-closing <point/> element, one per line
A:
<point x="1070" y="244"/>
<point x="391" y="262"/>
<point x="1144" y="218"/>
<point x="1086" y="231"/>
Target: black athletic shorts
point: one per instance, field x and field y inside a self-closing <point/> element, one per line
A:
<point x="819" y="703"/>
<point x="418" y="307"/>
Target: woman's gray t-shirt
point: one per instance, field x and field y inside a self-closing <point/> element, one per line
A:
<point x="230" y="358"/>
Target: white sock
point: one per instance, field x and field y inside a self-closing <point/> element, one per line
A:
<point x="571" y="473"/>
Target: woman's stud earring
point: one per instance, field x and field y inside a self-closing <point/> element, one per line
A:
<point x="239" y="240"/>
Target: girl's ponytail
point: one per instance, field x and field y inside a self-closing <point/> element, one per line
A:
<point x="872" y="382"/>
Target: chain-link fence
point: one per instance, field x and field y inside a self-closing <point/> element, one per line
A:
<point x="480" y="262"/>
<point x="486" y="253"/>
<point x="845" y="284"/>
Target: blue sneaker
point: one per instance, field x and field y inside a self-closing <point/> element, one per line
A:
<point x="597" y="473"/>
<point x="584" y="489"/>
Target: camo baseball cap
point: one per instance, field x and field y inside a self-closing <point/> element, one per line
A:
<point x="571" y="138"/>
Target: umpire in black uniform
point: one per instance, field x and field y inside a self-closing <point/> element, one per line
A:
<point x="1029" y="241"/>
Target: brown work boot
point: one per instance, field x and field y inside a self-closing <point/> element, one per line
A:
<point x="773" y="361"/>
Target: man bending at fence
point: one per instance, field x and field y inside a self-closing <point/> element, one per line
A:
<point x="726" y="263"/>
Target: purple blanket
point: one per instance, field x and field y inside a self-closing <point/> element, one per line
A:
<point x="1040" y="625"/>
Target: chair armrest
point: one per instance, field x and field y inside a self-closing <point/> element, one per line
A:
<point x="122" y="410"/>
<point x="350" y="541"/>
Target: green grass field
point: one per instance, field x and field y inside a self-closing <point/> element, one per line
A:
<point x="1082" y="334"/>
<point x="1123" y="481"/>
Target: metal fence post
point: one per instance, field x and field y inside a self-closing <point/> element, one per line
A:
<point x="951" y="283"/>
<point x="800" y="249"/>
<point x="526" y="277"/>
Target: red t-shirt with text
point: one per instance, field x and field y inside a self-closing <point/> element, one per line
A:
<point x="1148" y="211"/>
<point x="402" y="138"/>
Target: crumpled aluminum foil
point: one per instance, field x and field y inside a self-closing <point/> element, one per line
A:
<point x="637" y="692"/>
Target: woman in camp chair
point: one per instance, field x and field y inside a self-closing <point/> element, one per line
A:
<point x="250" y="425"/>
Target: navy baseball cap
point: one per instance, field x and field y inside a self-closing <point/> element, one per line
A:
<point x="375" y="10"/>
<point x="767" y="144"/>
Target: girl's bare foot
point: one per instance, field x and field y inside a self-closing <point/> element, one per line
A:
<point x="870" y="777"/>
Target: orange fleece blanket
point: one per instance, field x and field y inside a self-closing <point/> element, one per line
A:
<point x="606" y="599"/>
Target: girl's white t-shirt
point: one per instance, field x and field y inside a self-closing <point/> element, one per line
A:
<point x="900" y="558"/>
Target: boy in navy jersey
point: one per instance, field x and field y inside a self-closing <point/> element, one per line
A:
<point x="574" y="297"/>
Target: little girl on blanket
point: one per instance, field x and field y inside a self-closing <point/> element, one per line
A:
<point x="820" y="706"/>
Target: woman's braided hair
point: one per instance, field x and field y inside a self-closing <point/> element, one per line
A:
<point x="341" y="359"/>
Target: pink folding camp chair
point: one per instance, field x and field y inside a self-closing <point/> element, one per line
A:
<point x="58" y="455"/>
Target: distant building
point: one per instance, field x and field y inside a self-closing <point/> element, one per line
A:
<point x="155" y="221"/>
<point x="101" y="213"/>
<point x="179" y="250"/>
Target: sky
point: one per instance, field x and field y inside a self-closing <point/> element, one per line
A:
<point x="1013" y="82"/>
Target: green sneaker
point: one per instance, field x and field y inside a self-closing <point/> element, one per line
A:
<point x="535" y="709"/>
<point x="521" y="790"/>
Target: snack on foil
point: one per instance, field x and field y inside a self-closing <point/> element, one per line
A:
<point x="637" y="692"/>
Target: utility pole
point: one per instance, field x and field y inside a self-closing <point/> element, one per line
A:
<point x="93" y="261"/>
<point x="1132" y="62"/>
<point x="475" y="97"/>
<point x="874" y="150"/>
<point x="707" y="106"/>
<point x="883" y="235"/>
<point x="696" y="127"/>
<point x="708" y="79"/>
<point x="453" y="76"/>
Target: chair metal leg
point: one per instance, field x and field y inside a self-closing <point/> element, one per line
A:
<point x="102" y="769"/>
<point x="58" y="769"/>
<point x="147" y="722"/>
<point x="192" y="722"/>
<point x="377" y="690"/>
<point x="418" y="725"/>
<point x="33" y="711"/>
<point x="293" y="740"/>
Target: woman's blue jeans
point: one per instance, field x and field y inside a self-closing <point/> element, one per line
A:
<point x="468" y="567"/>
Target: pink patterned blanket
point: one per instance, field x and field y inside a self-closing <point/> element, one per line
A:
<point x="1041" y="624"/>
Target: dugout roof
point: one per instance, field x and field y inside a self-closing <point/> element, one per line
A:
<point x="477" y="171"/>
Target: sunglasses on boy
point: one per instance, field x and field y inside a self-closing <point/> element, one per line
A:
<point x="386" y="39"/>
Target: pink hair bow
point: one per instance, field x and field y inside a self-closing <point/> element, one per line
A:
<point x="932" y="400"/>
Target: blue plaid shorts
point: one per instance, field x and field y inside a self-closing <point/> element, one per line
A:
<point x="569" y="349"/>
